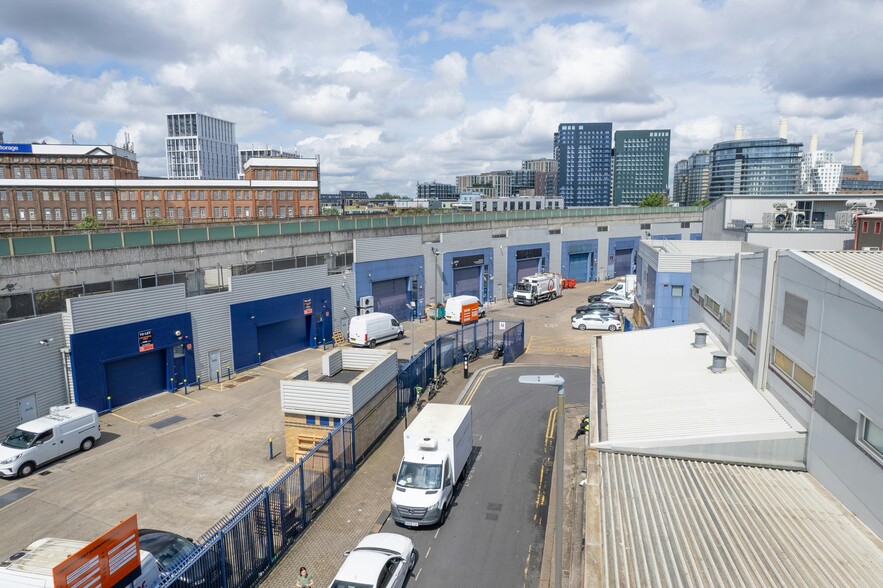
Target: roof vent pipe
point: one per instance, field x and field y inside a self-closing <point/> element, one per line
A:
<point x="738" y="133"/>
<point x="783" y="128"/>
<point x="699" y="336"/>
<point x="857" y="147"/>
<point x="718" y="362"/>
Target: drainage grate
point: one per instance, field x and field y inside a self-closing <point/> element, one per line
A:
<point x="46" y="473"/>
<point x="491" y="516"/>
<point x="14" y="495"/>
<point x="244" y="378"/>
<point x="166" y="422"/>
<point x="216" y="415"/>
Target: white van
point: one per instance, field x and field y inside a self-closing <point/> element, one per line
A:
<point x="367" y="330"/>
<point x="64" y="430"/>
<point x="463" y="309"/>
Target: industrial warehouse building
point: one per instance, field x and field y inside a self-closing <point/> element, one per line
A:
<point x="107" y="318"/>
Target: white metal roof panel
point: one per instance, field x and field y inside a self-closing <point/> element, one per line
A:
<point x="648" y="401"/>
<point x="864" y="267"/>
<point x="671" y="522"/>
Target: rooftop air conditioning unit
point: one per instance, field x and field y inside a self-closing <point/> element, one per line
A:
<point x="366" y="305"/>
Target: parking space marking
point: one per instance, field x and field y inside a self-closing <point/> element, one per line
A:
<point x="554" y="345"/>
<point x="119" y="416"/>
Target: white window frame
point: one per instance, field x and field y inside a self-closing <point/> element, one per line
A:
<point x="872" y="451"/>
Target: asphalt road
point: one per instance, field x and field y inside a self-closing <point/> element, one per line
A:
<point x="494" y="534"/>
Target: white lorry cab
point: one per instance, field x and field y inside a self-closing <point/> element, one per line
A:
<point x="437" y="446"/>
<point x="537" y="288"/>
<point x="32" y="567"/>
<point x="463" y="309"/>
<point x="65" y="429"/>
<point x="367" y="330"/>
<point x="626" y="286"/>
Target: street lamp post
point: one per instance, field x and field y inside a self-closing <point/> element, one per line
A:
<point x="435" y="317"/>
<point x="558" y="381"/>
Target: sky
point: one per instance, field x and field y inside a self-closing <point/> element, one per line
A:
<point x="391" y="93"/>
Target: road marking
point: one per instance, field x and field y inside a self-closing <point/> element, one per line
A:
<point x="527" y="563"/>
<point x="418" y="574"/>
<point x="185" y="397"/>
<point x="427" y="552"/>
<point x="119" y="416"/>
<point x="437" y="531"/>
<point x="552" y="414"/>
<point x="529" y="343"/>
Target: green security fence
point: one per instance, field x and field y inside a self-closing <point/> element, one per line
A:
<point x="15" y="246"/>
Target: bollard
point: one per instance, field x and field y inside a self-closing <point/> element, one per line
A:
<point x="228" y="373"/>
<point x="185" y="387"/>
<point x="259" y="358"/>
<point x="198" y="383"/>
<point x="271" y="448"/>
<point x="465" y="368"/>
<point x="218" y="376"/>
<point x="172" y="385"/>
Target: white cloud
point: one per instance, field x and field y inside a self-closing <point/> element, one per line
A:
<point x="85" y="131"/>
<point x="596" y="65"/>
<point x="451" y="69"/>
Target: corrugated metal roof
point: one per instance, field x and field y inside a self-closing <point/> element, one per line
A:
<point x="670" y="522"/>
<point x="649" y="402"/>
<point x="866" y="267"/>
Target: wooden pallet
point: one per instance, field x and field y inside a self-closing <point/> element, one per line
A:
<point x="338" y="337"/>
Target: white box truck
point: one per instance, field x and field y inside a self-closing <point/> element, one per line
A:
<point x="463" y="309"/>
<point x="32" y="567"/>
<point x="437" y="446"/>
<point x="537" y="288"/>
<point x="626" y="286"/>
<point x="65" y="429"/>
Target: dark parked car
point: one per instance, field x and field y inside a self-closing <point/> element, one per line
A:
<point x="170" y="549"/>
<point x="601" y="297"/>
<point x="593" y="306"/>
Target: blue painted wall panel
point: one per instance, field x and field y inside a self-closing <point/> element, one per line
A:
<point x="542" y="262"/>
<point x="278" y="326"/>
<point x="695" y="236"/>
<point x="620" y="243"/>
<point x="367" y="272"/>
<point x="669" y="310"/>
<point x="93" y="354"/>
<point x="569" y="248"/>
<point x="672" y="237"/>
<point x="486" y="280"/>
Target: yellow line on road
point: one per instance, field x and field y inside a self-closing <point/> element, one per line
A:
<point x="119" y="416"/>
<point x="552" y="414"/>
<point x="185" y="397"/>
<point x="529" y="343"/>
<point x="527" y="564"/>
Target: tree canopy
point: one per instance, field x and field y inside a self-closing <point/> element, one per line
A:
<point x="654" y="199"/>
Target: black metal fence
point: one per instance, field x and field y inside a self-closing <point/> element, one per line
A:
<point x="449" y="349"/>
<point x="241" y="547"/>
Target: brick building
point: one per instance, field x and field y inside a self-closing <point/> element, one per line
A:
<point x="55" y="186"/>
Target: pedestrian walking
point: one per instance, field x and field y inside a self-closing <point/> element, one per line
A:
<point x="303" y="578"/>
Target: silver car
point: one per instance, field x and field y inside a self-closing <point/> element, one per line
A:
<point x="381" y="559"/>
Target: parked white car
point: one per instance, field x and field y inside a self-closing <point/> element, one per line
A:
<point x="381" y="559"/>
<point x="618" y="301"/>
<point x="594" y="322"/>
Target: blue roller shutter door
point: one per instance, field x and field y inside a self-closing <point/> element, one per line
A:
<point x="525" y="267"/>
<point x="391" y="296"/>
<point x="136" y="377"/>
<point x="578" y="267"/>
<point x="623" y="262"/>
<point x="284" y="337"/>
<point x="467" y="281"/>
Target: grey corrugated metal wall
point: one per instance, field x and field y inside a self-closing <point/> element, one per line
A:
<point x="380" y="248"/>
<point x="106" y="310"/>
<point x="31" y="368"/>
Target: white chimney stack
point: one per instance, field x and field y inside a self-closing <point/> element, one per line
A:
<point x="857" y="147"/>
<point x="813" y="143"/>
<point x="783" y="128"/>
<point x="738" y="132"/>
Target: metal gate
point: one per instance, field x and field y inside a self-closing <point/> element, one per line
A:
<point x="623" y="262"/>
<point x="513" y="343"/>
<point x="578" y="267"/>
<point x="135" y="377"/>
<point x="526" y="267"/>
<point x="467" y="281"/>
<point x="391" y="297"/>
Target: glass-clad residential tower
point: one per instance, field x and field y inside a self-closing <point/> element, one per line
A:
<point x="640" y="165"/>
<point x="755" y="167"/>
<point x="201" y="147"/>
<point x="584" y="163"/>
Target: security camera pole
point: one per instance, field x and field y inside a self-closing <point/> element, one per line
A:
<point x="558" y="381"/>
